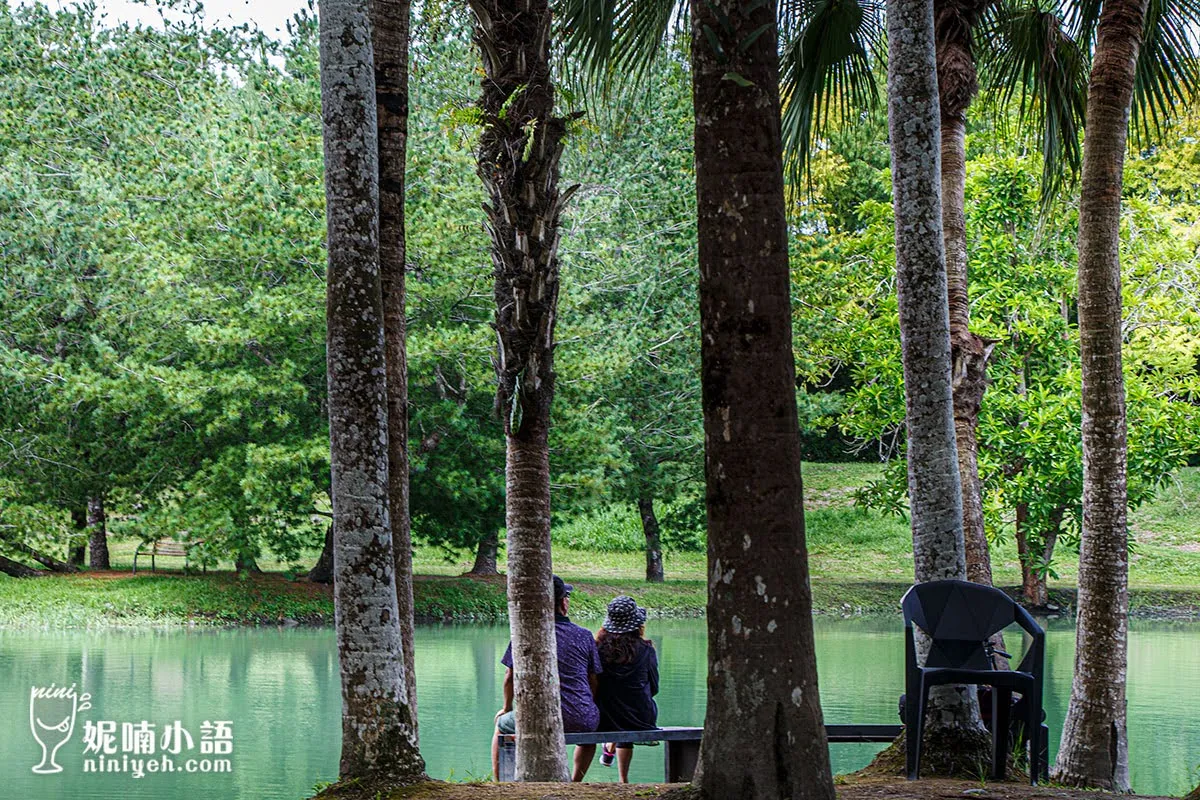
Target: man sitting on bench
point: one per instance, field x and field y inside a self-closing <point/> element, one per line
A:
<point x="578" y="666"/>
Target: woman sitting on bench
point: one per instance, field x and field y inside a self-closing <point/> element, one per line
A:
<point x="628" y="681"/>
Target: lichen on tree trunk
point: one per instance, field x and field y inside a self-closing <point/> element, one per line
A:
<point x="935" y="487"/>
<point x="378" y="732"/>
<point x="389" y="33"/>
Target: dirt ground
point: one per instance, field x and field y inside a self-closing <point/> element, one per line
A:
<point x="851" y="788"/>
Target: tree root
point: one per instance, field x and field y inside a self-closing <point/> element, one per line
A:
<point x="946" y="753"/>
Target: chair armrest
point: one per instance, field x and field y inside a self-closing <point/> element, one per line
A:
<point x="1028" y="623"/>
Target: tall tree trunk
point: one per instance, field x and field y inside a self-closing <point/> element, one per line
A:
<point x="1094" y="750"/>
<point x="934" y="485"/>
<point x="519" y="151"/>
<point x="1033" y="580"/>
<point x="654" y="559"/>
<point x="378" y="731"/>
<point x="1048" y="544"/>
<point x="322" y="571"/>
<point x="97" y="522"/>
<point x="764" y="735"/>
<point x="16" y="569"/>
<point x="77" y="547"/>
<point x="49" y="562"/>
<point x="1033" y="586"/>
<point x="969" y="353"/>
<point x="485" y="555"/>
<point x="389" y="32"/>
<point x="244" y="563"/>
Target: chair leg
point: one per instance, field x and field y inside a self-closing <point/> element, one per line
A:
<point x="1044" y="747"/>
<point x="914" y="731"/>
<point x="1001" y="705"/>
<point x="1033" y="724"/>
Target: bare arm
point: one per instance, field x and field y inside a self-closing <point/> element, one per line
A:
<point x="508" y="690"/>
<point x="593" y="683"/>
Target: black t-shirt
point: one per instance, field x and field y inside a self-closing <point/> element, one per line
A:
<point x="626" y="693"/>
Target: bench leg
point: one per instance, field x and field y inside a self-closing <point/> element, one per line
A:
<point x="679" y="760"/>
<point x="508" y="762"/>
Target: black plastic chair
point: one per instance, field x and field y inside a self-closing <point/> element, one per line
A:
<point x="960" y="619"/>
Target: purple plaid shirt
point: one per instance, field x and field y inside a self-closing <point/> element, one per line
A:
<point x="577" y="656"/>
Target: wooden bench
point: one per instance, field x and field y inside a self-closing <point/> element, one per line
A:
<point x="166" y="547"/>
<point x="681" y="749"/>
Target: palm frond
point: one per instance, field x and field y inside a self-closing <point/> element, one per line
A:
<point x="1032" y="57"/>
<point x="1081" y="18"/>
<point x="1168" y="69"/>
<point x="617" y="40"/>
<point x="828" y="73"/>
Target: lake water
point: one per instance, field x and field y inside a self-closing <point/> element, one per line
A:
<point x="279" y="690"/>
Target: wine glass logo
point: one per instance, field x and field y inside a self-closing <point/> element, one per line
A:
<point x="52" y="712"/>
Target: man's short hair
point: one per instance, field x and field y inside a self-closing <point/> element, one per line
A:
<point x="561" y="589"/>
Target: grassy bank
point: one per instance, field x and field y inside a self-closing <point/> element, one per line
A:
<point x="848" y="788"/>
<point x="81" y="601"/>
<point x="861" y="563"/>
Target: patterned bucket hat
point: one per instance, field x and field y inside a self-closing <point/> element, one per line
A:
<point x="624" y="615"/>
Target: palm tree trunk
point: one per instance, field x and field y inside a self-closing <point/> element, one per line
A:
<point x="763" y="732"/>
<point x="650" y="528"/>
<point x="969" y="353"/>
<point x="97" y="522"/>
<point x="389" y="33"/>
<point x="540" y="752"/>
<point x="1094" y="750"/>
<point x="378" y="731"/>
<point x="935" y="488"/>
<point x="519" y="151"/>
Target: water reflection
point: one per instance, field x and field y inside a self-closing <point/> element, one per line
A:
<point x="280" y="689"/>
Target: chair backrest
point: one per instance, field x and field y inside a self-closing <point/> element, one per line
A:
<point x="959" y="617"/>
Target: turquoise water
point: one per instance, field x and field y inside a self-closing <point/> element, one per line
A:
<point x="279" y="690"/>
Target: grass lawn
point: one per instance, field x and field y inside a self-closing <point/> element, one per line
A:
<point x="860" y="562"/>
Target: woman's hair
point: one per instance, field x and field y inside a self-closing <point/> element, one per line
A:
<point x="620" y="648"/>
